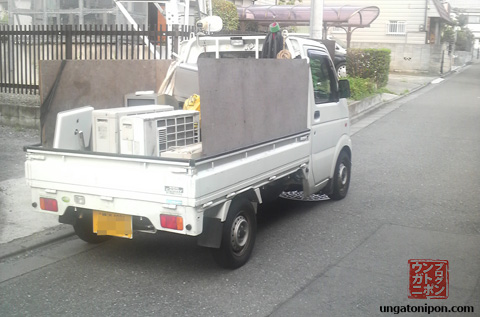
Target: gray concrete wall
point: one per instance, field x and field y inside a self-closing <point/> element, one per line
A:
<point x="20" y="110"/>
<point x="461" y="58"/>
<point x="414" y="58"/>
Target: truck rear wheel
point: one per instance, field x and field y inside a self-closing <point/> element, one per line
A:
<point x="341" y="177"/>
<point x="238" y="235"/>
<point x="83" y="227"/>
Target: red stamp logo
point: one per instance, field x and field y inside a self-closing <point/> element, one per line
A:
<point x="428" y="279"/>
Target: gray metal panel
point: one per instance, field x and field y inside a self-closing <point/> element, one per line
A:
<point x="249" y="101"/>
<point x="100" y="84"/>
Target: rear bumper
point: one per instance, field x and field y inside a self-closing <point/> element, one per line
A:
<point x="69" y="203"/>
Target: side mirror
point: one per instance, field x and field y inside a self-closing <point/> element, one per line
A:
<point x="344" y="88"/>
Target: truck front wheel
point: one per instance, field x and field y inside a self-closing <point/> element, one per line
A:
<point x="238" y="235"/>
<point x="83" y="227"/>
<point x="341" y="177"/>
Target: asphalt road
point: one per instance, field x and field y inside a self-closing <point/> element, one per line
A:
<point x="414" y="195"/>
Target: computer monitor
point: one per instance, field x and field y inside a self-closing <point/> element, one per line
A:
<point x="73" y="129"/>
<point x="141" y="98"/>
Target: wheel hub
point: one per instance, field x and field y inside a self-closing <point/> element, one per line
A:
<point x="342" y="174"/>
<point x="240" y="233"/>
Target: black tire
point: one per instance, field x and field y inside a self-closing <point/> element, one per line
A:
<point x="341" y="176"/>
<point x="238" y="235"/>
<point x="83" y="227"/>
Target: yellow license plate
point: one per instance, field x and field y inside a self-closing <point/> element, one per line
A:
<point x="111" y="224"/>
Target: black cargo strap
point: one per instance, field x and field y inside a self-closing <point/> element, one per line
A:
<point x="47" y="103"/>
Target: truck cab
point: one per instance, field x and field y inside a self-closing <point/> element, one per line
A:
<point x="328" y="115"/>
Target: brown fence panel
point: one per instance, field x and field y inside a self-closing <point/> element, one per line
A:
<point x="21" y="47"/>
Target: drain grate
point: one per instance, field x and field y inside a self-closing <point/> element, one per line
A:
<point x="298" y="195"/>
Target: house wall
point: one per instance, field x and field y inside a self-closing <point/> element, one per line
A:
<point x="411" y="11"/>
<point x="412" y="51"/>
<point x="474" y="24"/>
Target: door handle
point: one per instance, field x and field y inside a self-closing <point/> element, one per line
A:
<point x="316" y="115"/>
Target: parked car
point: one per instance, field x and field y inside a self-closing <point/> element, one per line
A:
<point x="340" y="60"/>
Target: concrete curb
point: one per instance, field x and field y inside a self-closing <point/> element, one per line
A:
<point x="35" y="240"/>
<point x="361" y="108"/>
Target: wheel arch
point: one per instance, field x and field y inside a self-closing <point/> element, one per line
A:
<point x="215" y="217"/>
<point x="344" y="144"/>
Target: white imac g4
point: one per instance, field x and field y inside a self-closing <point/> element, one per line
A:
<point x="73" y="129"/>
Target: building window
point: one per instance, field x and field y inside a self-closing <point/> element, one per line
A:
<point x="474" y="19"/>
<point x="68" y="4"/>
<point x="337" y="30"/>
<point x="98" y="4"/>
<point x="397" y="27"/>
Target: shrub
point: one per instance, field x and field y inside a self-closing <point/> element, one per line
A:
<point x="369" y="63"/>
<point x="361" y="87"/>
<point x="465" y="40"/>
<point x="228" y="12"/>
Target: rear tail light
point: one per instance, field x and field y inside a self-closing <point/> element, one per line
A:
<point x="171" y="222"/>
<point x="48" y="204"/>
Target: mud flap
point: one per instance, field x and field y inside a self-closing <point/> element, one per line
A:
<point x="211" y="236"/>
<point x="69" y="217"/>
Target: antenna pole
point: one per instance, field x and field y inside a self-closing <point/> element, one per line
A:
<point x="316" y="19"/>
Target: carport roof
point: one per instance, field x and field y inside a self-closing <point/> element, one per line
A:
<point x="340" y="16"/>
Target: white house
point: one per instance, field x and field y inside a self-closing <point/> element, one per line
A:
<point x="471" y="9"/>
<point x="410" y="29"/>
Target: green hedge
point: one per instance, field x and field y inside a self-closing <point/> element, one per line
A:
<point x="361" y="88"/>
<point x="228" y="12"/>
<point x="369" y="63"/>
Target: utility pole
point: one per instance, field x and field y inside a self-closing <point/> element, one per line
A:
<point x="316" y="19"/>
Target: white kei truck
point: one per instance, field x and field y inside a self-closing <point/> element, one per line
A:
<point x="252" y="151"/>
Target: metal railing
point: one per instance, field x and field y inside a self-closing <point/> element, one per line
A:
<point x="22" y="47"/>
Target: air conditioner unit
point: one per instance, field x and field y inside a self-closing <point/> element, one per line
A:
<point x="106" y="125"/>
<point x="152" y="134"/>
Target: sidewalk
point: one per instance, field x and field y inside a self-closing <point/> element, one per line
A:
<point x="21" y="228"/>
<point x="400" y="84"/>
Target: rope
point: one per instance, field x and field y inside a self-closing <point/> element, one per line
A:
<point x="284" y="54"/>
<point x="168" y="83"/>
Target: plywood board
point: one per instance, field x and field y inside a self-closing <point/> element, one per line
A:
<point x="101" y="84"/>
<point x="247" y="101"/>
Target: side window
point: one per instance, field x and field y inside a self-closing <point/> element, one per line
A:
<point x="323" y="77"/>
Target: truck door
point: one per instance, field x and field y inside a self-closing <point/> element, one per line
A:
<point x="327" y="118"/>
